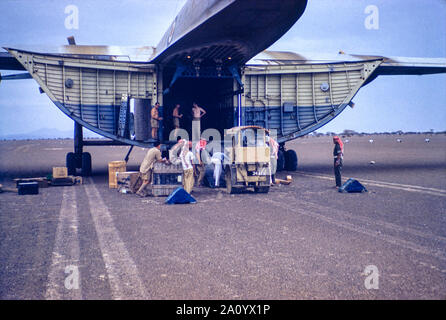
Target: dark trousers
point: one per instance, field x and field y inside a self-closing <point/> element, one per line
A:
<point x="337" y="172"/>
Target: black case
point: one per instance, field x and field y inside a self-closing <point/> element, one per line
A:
<point x="28" y="188"/>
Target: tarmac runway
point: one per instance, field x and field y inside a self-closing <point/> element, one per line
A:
<point x="302" y="241"/>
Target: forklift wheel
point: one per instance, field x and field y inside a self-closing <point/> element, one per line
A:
<point x="229" y="187"/>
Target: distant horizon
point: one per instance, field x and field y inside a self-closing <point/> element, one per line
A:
<point x="68" y="134"/>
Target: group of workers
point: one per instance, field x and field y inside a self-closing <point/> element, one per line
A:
<point x="193" y="163"/>
<point x="197" y="113"/>
<point x="194" y="160"/>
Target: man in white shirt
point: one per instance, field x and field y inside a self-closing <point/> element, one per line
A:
<point x="217" y="159"/>
<point x="187" y="160"/>
<point x="274" y="150"/>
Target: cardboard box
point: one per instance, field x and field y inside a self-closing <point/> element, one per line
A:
<point x="113" y="168"/>
<point x="127" y="180"/>
<point x="126" y="177"/>
<point x="60" y="172"/>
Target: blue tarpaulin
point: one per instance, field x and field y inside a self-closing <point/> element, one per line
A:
<point x="180" y="196"/>
<point x="352" y="186"/>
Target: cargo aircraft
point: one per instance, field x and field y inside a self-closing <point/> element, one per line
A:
<point x="215" y="53"/>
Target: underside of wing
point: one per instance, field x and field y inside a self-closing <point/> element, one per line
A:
<point x="232" y="30"/>
<point x="8" y="62"/>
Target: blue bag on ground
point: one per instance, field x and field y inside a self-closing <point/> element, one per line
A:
<point x="352" y="186"/>
<point x="180" y="196"/>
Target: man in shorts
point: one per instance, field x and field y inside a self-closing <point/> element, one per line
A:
<point x="154" y="120"/>
<point x="176" y="119"/>
<point x="146" y="168"/>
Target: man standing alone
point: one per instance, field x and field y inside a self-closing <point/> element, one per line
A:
<point x="338" y="154"/>
<point x="197" y="113"/>
<point x="154" y="120"/>
<point x="273" y="151"/>
<point x="176" y="119"/>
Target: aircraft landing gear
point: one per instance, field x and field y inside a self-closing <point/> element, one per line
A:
<point x="287" y="159"/>
<point x="290" y="160"/>
<point x="78" y="159"/>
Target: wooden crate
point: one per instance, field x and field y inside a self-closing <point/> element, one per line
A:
<point x="165" y="179"/>
<point x="160" y="167"/>
<point x="113" y="168"/>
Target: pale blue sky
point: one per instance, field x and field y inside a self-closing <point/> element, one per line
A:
<point x="410" y="28"/>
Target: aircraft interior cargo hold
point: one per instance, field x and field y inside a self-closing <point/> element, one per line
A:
<point x="214" y="95"/>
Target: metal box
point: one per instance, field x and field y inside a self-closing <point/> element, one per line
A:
<point x="28" y="188"/>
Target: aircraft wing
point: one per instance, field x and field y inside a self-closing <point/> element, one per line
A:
<point x="389" y="66"/>
<point x="8" y="62"/>
<point x="415" y="66"/>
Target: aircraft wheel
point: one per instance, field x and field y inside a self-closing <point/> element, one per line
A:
<point x="291" y="160"/>
<point x="86" y="164"/>
<point x="71" y="163"/>
<point x="280" y="161"/>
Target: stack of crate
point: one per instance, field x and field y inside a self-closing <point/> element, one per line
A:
<point x="166" y="178"/>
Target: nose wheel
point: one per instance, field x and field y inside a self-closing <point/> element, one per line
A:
<point x="72" y="163"/>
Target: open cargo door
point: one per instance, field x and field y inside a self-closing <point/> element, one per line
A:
<point x="94" y="93"/>
<point x="296" y="99"/>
